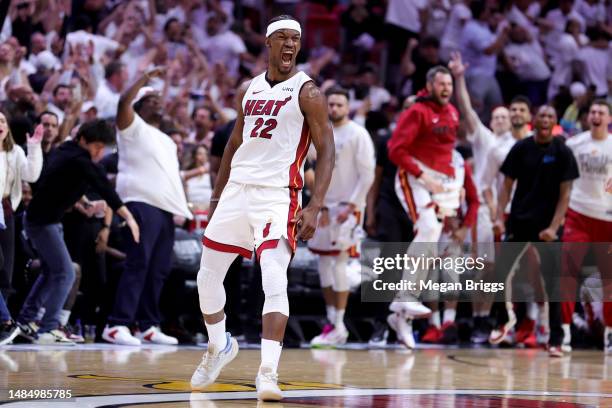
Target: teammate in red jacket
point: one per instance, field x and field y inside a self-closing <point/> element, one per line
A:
<point x="426" y="183"/>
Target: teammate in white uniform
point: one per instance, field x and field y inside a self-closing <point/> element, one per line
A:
<point x="589" y="217"/>
<point x="340" y="221"/>
<point x="483" y="141"/>
<point x="256" y="201"/>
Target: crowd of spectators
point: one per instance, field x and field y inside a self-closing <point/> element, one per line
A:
<point x="67" y="62"/>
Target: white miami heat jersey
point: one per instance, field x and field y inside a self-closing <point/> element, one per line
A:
<point x="275" y="138"/>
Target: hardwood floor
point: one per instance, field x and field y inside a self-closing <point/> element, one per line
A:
<point x="154" y="376"/>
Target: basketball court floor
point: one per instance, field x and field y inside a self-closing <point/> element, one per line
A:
<point x="101" y="375"/>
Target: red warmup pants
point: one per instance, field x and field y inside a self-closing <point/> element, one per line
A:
<point x="580" y="228"/>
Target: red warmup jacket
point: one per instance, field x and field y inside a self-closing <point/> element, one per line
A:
<point x="471" y="198"/>
<point x="427" y="132"/>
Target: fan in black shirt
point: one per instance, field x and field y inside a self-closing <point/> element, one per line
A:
<point x="70" y="172"/>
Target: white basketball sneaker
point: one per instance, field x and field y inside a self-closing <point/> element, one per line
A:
<point x="154" y="335"/>
<point x="337" y="337"/>
<point x="412" y="310"/>
<point x="403" y="329"/>
<point x="120" y="335"/>
<point x="213" y="362"/>
<point x="267" y="385"/>
<point x="321" y="339"/>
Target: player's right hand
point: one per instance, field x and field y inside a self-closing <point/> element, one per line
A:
<point x="306" y="220"/>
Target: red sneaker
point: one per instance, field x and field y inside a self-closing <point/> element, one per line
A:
<point x="432" y="335"/>
<point x="525" y="330"/>
<point x="531" y="341"/>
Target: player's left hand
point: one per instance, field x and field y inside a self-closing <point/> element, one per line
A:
<point x="548" y="235"/>
<point x="306" y="220"/>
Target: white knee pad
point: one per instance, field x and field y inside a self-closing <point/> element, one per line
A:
<point x="213" y="268"/>
<point x="341" y="283"/>
<point x="274" y="263"/>
<point x="326" y="272"/>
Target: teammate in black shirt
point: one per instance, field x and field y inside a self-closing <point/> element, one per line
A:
<point x="543" y="168"/>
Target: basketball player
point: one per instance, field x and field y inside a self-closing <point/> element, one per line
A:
<point x="340" y="220"/>
<point x="256" y="200"/>
<point x="421" y="147"/>
<point x="482" y="140"/>
<point x="454" y="234"/>
<point x="589" y="217"/>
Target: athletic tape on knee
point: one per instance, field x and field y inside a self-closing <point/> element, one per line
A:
<point x="326" y="273"/>
<point x="274" y="263"/>
<point x="213" y="268"/>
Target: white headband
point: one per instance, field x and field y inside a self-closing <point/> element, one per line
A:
<point x="283" y="24"/>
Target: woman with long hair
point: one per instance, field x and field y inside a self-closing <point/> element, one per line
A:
<point x="15" y="167"/>
<point x="197" y="179"/>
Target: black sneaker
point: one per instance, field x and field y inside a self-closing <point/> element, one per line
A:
<point x="29" y="331"/>
<point x="481" y="332"/>
<point x="379" y="335"/>
<point x="8" y="331"/>
<point x="450" y="333"/>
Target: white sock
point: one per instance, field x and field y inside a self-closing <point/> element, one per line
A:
<point x="481" y="313"/>
<point x="331" y="313"/>
<point x="543" y="314"/>
<point x="339" y="322"/>
<point x="216" y="334"/>
<point x="270" y="353"/>
<point x="532" y="311"/>
<point x="449" y="315"/>
<point x="434" y="319"/>
<point x="40" y="314"/>
<point x="64" y="315"/>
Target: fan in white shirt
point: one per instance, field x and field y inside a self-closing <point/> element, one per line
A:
<point x="109" y="91"/>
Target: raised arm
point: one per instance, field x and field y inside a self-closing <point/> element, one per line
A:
<point x="314" y="107"/>
<point x="461" y="92"/>
<point x="31" y="165"/>
<point x="125" y="112"/>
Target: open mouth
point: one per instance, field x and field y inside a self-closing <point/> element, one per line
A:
<point x="287" y="57"/>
